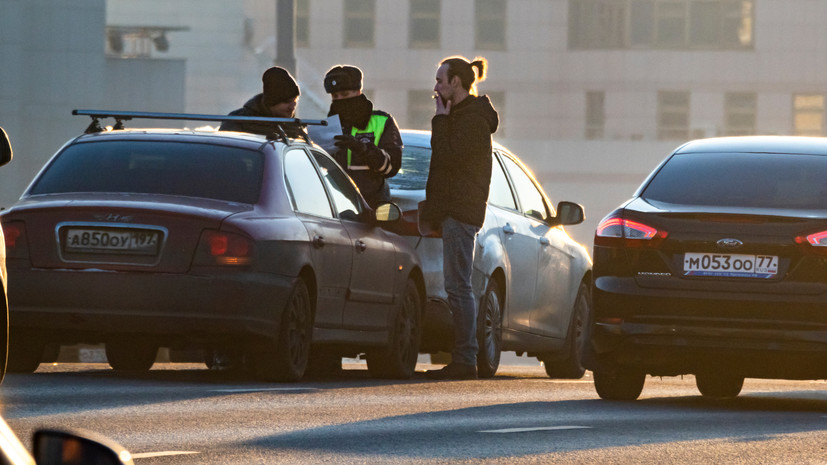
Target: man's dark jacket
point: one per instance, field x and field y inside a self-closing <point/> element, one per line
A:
<point x="256" y="107"/>
<point x="460" y="172"/>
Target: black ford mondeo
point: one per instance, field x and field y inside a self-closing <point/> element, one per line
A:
<point x="717" y="267"/>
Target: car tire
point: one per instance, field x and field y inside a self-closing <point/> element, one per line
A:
<point x="571" y="367"/>
<point x="24" y="355"/>
<point x="285" y="357"/>
<point x="4" y="340"/>
<point x="398" y="359"/>
<point x="490" y="331"/>
<point x="619" y="383"/>
<point x="719" y="385"/>
<point x="131" y="355"/>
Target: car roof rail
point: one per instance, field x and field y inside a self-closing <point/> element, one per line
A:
<point x="121" y="116"/>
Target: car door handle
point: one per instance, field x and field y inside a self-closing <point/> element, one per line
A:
<point x="544" y="241"/>
<point x="508" y="229"/>
<point x="318" y="242"/>
<point x="361" y="246"/>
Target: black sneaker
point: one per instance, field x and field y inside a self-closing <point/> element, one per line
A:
<point x="454" y="371"/>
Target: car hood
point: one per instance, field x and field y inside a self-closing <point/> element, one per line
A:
<point x="407" y="200"/>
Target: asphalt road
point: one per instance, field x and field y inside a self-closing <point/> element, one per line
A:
<point x="185" y="414"/>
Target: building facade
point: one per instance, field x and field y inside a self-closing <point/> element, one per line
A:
<point x="592" y="93"/>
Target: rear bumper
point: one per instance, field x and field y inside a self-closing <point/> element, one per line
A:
<point x="69" y="306"/>
<point x="679" y="332"/>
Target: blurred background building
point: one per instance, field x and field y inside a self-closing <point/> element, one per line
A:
<point x="592" y="93"/>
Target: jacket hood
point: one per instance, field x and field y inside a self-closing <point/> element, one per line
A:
<point x="482" y="106"/>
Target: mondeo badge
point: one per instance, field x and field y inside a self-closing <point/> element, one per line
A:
<point x="729" y="243"/>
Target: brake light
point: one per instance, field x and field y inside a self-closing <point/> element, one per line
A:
<point x="619" y="232"/>
<point x="818" y="239"/>
<point x="222" y="248"/>
<point x="14" y="233"/>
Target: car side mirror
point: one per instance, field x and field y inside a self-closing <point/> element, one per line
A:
<point x="569" y="213"/>
<point x="60" y="447"/>
<point x="388" y="213"/>
<point x="5" y="148"/>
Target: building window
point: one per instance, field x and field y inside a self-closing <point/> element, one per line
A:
<point x="665" y="24"/>
<point x="360" y="19"/>
<point x="420" y="109"/>
<point x="739" y="108"/>
<point x="490" y="24"/>
<point x="808" y="114"/>
<point x="424" y="24"/>
<point x="302" y="23"/>
<point x="673" y="115"/>
<point x="595" y="114"/>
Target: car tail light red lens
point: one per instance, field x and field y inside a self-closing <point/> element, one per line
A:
<point x="619" y="232"/>
<point x="222" y="248"/>
<point x="14" y="233"/>
<point x="816" y="242"/>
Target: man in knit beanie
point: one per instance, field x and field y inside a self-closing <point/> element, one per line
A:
<point x="278" y="99"/>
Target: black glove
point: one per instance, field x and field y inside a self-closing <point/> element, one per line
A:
<point x="350" y="142"/>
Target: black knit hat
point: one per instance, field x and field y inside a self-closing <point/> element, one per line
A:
<point x="343" y="77"/>
<point x="279" y="86"/>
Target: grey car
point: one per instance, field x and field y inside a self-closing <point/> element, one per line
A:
<point x="531" y="279"/>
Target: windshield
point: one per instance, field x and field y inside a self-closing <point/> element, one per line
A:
<point x="413" y="175"/>
<point x="754" y="180"/>
<point x="171" y="168"/>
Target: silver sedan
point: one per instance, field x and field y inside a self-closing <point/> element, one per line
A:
<point x="531" y="279"/>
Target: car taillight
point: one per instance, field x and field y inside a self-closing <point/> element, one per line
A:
<point x="619" y="232"/>
<point x="815" y="242"/>
<point x="222" y="248"/>
<point x="14" y="233"/>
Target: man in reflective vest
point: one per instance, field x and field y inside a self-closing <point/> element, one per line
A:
<point x="370" y="147"/>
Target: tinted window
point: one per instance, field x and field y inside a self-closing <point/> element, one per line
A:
<point x="413" y="175"/>
<point x="742" y="180"/>
<point x="306" y="189"/>
<point x="344" y="193"/>
<point x="172" y="168"/>
<point x="531" y="200"/>
<point x="500" y="193"/>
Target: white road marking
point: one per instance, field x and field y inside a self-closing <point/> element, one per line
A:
<point x="146" y="455"/>
<point x="527" y="430"/>
<point x="265" y="389"/>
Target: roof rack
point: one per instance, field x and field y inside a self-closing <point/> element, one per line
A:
<point x="121" y="116"/>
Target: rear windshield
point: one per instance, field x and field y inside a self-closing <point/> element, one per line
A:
<point x="172" y="168"/>
<point x="413" y="175"/>
<point x="742" y="180"/>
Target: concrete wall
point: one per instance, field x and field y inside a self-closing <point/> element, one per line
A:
<point x="53" y="61"/>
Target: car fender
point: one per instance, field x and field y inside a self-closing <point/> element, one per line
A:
<point x="489" y="257"/>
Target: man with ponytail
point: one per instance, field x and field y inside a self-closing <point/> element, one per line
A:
<point x="456" y="195"/>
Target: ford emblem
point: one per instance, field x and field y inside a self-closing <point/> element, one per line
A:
<point x="729" y="243"/>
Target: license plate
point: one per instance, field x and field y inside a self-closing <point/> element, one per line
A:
<point x="112" y="240"/>
<point x="730" y="265"/>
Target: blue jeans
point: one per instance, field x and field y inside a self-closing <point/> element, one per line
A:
<point x="458" y="240"/>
